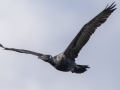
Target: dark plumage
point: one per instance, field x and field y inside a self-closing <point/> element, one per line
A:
<point x="66" y="60"/>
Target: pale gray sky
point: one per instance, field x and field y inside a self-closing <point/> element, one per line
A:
<point x="48" y="26"/>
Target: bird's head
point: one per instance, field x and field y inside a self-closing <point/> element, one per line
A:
<point x="45" y="57"/>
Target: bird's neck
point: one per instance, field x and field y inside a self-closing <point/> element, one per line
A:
<point x="52" y="61"/>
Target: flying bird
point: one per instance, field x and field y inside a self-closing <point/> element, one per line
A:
<point x="65" y="61"/>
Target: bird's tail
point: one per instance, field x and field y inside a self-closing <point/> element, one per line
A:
<point x="80" y="69"/>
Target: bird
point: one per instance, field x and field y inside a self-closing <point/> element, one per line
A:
<point x="65" y="61"/>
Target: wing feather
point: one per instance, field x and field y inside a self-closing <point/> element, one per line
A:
<point x="88" y="29"/>
<point x="22" y="51"/>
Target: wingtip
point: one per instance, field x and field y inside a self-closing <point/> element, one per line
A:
<point x="1" y="46"/>
<point x="111" y="6"/>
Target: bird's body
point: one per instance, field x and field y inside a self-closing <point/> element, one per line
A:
<point x="66" y="61"/>
<point x="62" y="63"/>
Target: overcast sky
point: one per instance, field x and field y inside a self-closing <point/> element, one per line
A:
<point x="48" y="26"/>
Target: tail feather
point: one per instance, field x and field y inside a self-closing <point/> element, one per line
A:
<point x="80" y="69"/>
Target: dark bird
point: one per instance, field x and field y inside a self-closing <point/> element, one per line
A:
<point x="65" y="61"/>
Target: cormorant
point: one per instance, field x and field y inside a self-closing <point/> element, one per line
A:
<point x="65" y="61"/>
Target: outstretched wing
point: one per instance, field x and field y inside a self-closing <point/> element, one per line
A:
<point x="88" y="29"/>
<point x="22" y="51"/>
